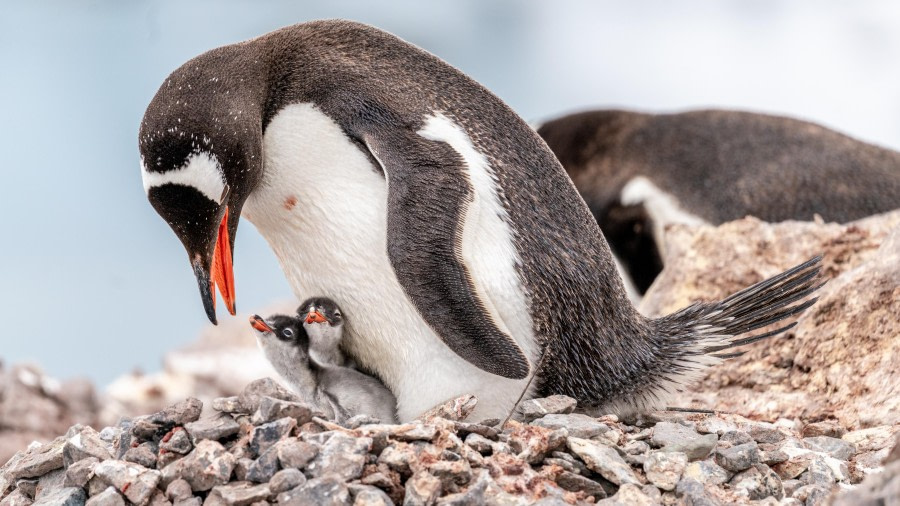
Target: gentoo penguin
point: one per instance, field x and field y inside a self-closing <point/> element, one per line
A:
<point x="639" y="172"/>
<point x="324" y="324"/>
<point x="342" y="392"/>
<point x="439" y="220"/>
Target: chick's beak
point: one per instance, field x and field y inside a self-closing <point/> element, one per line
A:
<point x="315" y="316"/>
<point x="259" y="324"/>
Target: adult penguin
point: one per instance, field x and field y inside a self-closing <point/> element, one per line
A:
<point x="429" y="211"/>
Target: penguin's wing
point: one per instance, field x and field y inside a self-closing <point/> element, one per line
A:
<point x="428" y="193"/>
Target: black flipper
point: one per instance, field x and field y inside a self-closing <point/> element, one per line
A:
<point x="428" y="195"/>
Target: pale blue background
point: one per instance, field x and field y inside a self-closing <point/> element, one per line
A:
<point x="93" y="283"/>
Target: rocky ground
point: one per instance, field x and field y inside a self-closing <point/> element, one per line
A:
<point x="264" y="446"/>
<point x="803" y="417"/>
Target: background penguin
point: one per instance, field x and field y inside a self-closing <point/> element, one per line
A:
<point x="439" y="220"/>
<point x="324" y="324"/>
<point x="638" y="172"/>
<point x="343" y="391"/>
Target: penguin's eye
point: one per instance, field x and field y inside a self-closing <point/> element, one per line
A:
<point x="287" y="333"/>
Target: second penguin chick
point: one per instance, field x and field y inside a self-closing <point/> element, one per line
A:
<point x="344" y="391"/>
<point x="324" y="324"/>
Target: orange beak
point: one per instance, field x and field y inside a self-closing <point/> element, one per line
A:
<point x="315" y="317"/>
<point x="222" y="269"/>
<point x="259" y="324"/>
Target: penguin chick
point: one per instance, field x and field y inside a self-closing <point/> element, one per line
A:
<point x="324" y="324"/>
<point x="342" y="392"/>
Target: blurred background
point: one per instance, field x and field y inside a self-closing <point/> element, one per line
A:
<point x="93" y="283"/>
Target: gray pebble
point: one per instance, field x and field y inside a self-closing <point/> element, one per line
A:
<point x="737" y="458"/>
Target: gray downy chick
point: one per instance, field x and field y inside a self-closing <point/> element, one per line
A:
<point x="324" y="324"/>
<point x="342" y="392"/>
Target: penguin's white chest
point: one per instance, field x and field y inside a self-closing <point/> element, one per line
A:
<point x="322" y="206"/>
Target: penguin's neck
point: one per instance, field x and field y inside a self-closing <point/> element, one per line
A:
<point x="324" y="343"/>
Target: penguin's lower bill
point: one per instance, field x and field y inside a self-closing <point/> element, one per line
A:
<point x="259" y="324"/>
<point x="222" y="269"/>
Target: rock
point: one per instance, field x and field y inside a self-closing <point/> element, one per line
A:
<point x="67" y="496"/>
<point x="86" y="443"/>
<point x="285" y="480"/>
<point x="422" y="489"/>
<point x="771" y="457"/>
<point x="141" y="455"/>
<point x="161" y="422"/>
<point x="738" y="458"/>
<point x="271" y="409"/>
<point x="179" y="490"/>
<point x="342" y="455"/>
<point x="29" y="487"/>
<point x="765" y="433"/>
<point x="812" y="495"/>
<point x="159" y="499"/>
<point x="293" y="453"/>
<point x="664" y="469"/>
<point x="50" y="482"/>
<point x="834" y="447"/>
<point x="736" y="437"/>
<point x="693" y="493"/>
<point x="758" y="482"/>
<point x="241" y="493"/>
<point x="878" y="488"/>
<point x="479" y="443"/>
<point x="818" y="473"/>
<point x="668" y="433"/>
<point x="456" y="409"/>
<point x="264" y="436"/>
<point x="629" y="494"/>
<point x="850" y="329"/>
<point x="603" y="460"/>
<point x="135" y="482"/>
<point x="16" y="498"/>
<point x="109" y="497"/>
<point x="577" y="483"/>
<point x="695" y="449"/>
<point x="792" y="468"/>
<point x="404" y="432"/>
<point x="452" y="473"/>
<point x="827" y="428"/>
<point x="177" y="441"/>
<point x="206" y="466"/>
<point x="872" y="439"/>
<point x="578" y="425"/>
<point x="324" y="491"/>
<point x="532" y="443"/>
<point x="366" y="495"/>
<point x="215" y="428"/>
<point x="264" y="468"/>
<point x="533" y="409"/>
<point x="38" y="461"/>
<point x="706" y="472"/>
<point x="251" y="397"/>
<point x="78" y="474"/>
<point x="229" y="405"/>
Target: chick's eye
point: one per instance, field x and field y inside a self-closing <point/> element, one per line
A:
<point x="287" y="333"/>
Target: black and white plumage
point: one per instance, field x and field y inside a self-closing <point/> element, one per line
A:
<point x="434" y="216"/>
<point x="342" y="392"/>
<point x="324" y="324"/>
<point x="639" y="172"/>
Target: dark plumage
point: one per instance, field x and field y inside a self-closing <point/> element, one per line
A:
<point x="719" y="166"/>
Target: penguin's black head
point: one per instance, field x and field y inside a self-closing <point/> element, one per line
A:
<point x="287" y="329"/>
<point x="201" y="156"/>
<point x="321" y="310"/>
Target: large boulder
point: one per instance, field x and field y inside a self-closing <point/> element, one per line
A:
<point x="840" y="359"/>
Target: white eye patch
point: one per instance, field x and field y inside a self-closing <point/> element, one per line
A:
<point x="201" y="171"/>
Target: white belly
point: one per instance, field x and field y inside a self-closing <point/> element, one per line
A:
<point x="323" y="209"/>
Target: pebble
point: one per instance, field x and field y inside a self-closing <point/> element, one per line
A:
<point x="578" y="425"/>
<point x="109" y="497"/>
<point x="695" y="449"/>
<point x="271" y="409"/>
<point x="179" y="441"/>
<point x="603" y="460"/>
<point x="342" y="455"/>
<point x="758" y="482"/>
<point x="135" y="482"/>
<point x="738" y="458"/>
<point x="251" y="396"/>
<point x="693" y="493"/>
<point x="293" y="453"/>
<point x="533" y="409"/>
<point x="141" y="455"/>
<point x="263" y="468"/>
<point x="827" y="428"/>
<point x="78" y="474"/>
<point x="422" y="489"/>
<point x="161" y="422"/>
<point x="265" y="435"/>
<point x="206" y="466"/>
<point x="240" y="493"/>
<point x="286" y="479"/>
<point x="834" y="447"/>
<point x="66" y="496"/>
<point x="85" y="443"/>
<point x="664" y="469"/>
<point x="669" y="433"/>
<point x="706" y="472"/>
<point x="323" y="491"/>
<point x="215" y="428"/>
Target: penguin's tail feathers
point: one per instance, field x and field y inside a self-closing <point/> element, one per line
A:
<point x="704" y="334"/>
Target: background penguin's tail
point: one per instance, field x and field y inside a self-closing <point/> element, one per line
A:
<point x="704" y="334"/>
